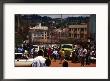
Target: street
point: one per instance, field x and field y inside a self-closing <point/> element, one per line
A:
<point x="28" y="63"/>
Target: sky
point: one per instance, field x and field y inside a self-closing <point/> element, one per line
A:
<point x="64" y="15"/>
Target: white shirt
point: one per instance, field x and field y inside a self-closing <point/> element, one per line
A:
<point x="55" y="52"/>
<point x="85" y="50"/>
<point x="38" y="62"/>
<point x="32" y="51"/>
<point x="80" y="51"/>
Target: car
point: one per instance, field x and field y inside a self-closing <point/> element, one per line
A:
<point x="19" y="56"/>
<point x="36" y="48"/>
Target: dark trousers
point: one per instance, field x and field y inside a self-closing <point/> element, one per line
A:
<point x="87" y="60"/>
<point x="82" y="61"/>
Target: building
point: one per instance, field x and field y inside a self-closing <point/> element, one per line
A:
<point x="59" y="35"/>
<point x="56" y="36"/>
<point x="39" y="34"/>
<point x="78" y="31"/>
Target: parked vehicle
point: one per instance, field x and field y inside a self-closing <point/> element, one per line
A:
<point x="36" y="48"/>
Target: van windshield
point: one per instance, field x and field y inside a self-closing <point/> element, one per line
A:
<point x="67" y="46"/>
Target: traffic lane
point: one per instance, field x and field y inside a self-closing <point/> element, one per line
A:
<point x="53" y="64"/>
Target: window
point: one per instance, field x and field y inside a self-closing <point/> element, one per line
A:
<point x="85" y="29"/>
<point x="69" y="34"/>
<point x="75" y="35"/>
<point x="85" y="35"/>
<point x="82" y="29"/>
<point x="70" y="29"/>
<point x="75" y="29"/>
<point x="82" y="36"/>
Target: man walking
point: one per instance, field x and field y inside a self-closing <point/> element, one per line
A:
<point x="55" y="54"/>
<point x="62" y="54"/>
<point x="39" y="61"/>
<point x="83" y="57"/>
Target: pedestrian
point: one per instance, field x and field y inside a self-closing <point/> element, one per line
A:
<point x="32" y="52"/>
<point x="73" y="56"/>
<point x="39" y="61"/>
<point x="49" y="53"/>
<point x="20" y="49"/>
<point x="65" y="63"/>
<point x="48" y="62"/>
<point x="45" y="52"/>
<point x="80" y="53"/>
<point x="92" y="56"/>
<point x="77" y="55"/>
<point x="83" y="56"/>
<point x="87" y="57"/>
<point x="26" y="54"/>
<point x="55" y="54"/>
<point x="82" y="59"/>
<point x="62" y="54"/>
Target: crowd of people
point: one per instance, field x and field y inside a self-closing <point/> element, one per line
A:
<point x="43" y="58"/>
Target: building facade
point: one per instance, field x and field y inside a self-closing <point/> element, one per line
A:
<point x="39" y="34"/>
<point x="78" y="31"/>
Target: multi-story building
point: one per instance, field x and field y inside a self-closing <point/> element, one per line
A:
<point x="78" y="31"/>
<point x="59" y="35"/>
<point x="39" y="34"/>
<point x="56" y="35"/>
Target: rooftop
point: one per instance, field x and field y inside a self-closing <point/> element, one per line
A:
<point x="39" y="27"/>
